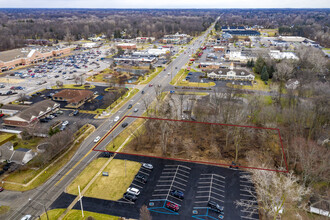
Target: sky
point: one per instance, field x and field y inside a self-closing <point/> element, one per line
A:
<point x="165" y="4"/>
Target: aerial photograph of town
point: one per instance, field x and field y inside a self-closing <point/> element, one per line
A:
<point x="174" y="110"/>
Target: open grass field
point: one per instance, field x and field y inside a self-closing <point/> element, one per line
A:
<point x="29" y="144"/>
<point x="4" y="137"/>
<point x="76" y="215"/>
<point x="112" y="187"/>
<point x="85" y="176"/>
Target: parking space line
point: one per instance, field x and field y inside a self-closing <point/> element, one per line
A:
<point x="180" y="183"/>
<point x="144" y="173"/>
<point x="183" y="175"/>
<point x="166" y="172"/>
<point x="220" y="181"/>
<point x="254" y="201"/>
<point x="170" y="165"/>
<point x="247" y="217"/>
<point x="178" y="188"/>
<point x="216" y="199"/>
<point x="159" y="194"/>
<point x="185" y="167"/>
<point x="245" y="181"/>
<point x="217" y="194"/>
<point x="137" y="185"/>
<point x="162" y="181"/>
<point x="212" y="174"/>
<point x="219" y="185"/>
<point x="200" y="201"/>
<point x="246" y="190"/>
<point x="246" y="195"/>
<point x="175" y="198"/>
<point x="181" y="179"/>
<point x="203" y="186"/>
<point x="185" y="171"/>
<point x="157" y="190"/>
<point x="162" y="185"/>
<point x="169" y="169"/>
<point x="242" y="185"/>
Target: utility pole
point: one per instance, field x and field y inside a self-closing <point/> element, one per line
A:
<point x="43" y="206"/>
<point x="81" y="205"/>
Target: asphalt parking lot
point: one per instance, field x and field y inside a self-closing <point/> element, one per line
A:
<point x="199" y="183"/>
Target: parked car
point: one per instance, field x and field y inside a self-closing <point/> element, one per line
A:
<point x="147" y="166"/>
<point x="65" y="123"/>
<point x="43" y="120"/>
<point x="215" y="207"/>
<point x="177" y="194"/>
<point x="133" y="191"/>
<point x="136" y="110"/>
<point x="76" y="112"/>
<point x="97" y="139"/>
<point x="141" y="178"/>
<point x="106" y="154"/>
<point x="124" y="124"/>
<point x="130" y="197"/>
<point x="116" y="119"/>
<point x="1" y="189"/>
<point x="63" y="127"/>
<point x="150" y="85"/>
<point x="142" y="92"/>
<point x="26" y="217"/>
<point x="172" y="206"/>
<point x="1" y="115"/>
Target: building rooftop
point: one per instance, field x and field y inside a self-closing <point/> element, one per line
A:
<point x="73" y="95"/>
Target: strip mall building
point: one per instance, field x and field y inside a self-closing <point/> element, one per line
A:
<point x="26" y="56"/>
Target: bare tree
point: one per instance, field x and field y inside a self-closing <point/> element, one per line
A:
<point x="284" y="71"/>
<point x="145" y="213"/>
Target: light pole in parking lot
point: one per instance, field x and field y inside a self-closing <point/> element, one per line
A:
<point x="42" y="205"/>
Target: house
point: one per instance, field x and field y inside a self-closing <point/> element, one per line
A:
<point x="230" y="74"/>
<point x="20" y="156"/>
<point x="73" y="97"/>
<point x="31" y="115"/>
<point x="209" y="65"/>
<point x="26" y="56"/>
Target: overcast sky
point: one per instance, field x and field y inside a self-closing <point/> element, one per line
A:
<point x="165" y="4"/>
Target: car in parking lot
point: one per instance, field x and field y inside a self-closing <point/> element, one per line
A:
<point x="63" y="127"/>
<point x="136" y="110"/>
<point x="150" y="85"/>
<point x="124" y="124"/>
<point x="172" y="206"/>
<point x="97" y="139"/>
<point x="1" y="115"/>
<point x="76" y="112"/>
<point x="141" y="178"/>
<point x="1" y="189"/>
<point x="116" y="118"/>
<point x="65" y="123"/>
<point x="130" y="197"/>
<point x="215" y="207"/>
<point x="147" y="166"/>
<point x="177" y="194"/>
<point x="133" y="191"/>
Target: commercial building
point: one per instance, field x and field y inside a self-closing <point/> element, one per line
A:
<point x="26" y="56"/>
<point x="278" y="55"/>
<point x="209" y="65"/>
<point x="152" y="52"/>
<point x="176" y="39"/>
<point x="126" y="46"/>
<point x="73" y="97"/>
<point x="230" y="74"/>
<point x="145" y="39"/>
<point x="31" y="115"/>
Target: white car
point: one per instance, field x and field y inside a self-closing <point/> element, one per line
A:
<point x="147" y="166"/>
<point x="97" y="139"/>
<point x="116" y="118"/>
<point x="26" y="217"/>
<point x="136" y="110"/>
<point x="65" y="123"/>
<point x="133" y="191"/>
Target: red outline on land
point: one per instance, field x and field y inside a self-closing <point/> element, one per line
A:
<point x="203" y="162"/>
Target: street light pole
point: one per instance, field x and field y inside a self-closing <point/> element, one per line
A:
<point x="42" y="205"/>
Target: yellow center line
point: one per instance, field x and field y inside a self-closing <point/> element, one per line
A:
<point x="106" y="134"/>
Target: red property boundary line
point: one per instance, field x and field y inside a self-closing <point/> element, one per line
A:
<point x="193" y="161"/>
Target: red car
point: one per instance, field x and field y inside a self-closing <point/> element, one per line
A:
<point x="150" y="85"/>
<point x="172" y="206"/>
<point x="1" y="189"/>
<point x="1" y="115"/>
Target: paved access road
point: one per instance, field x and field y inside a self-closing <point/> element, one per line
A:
<point x="51" y="190"/>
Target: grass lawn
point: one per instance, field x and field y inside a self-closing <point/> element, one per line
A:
<point x="5" y="137"/>
<point x="85" y="176"/>
<point x="178" y="80"/>
<point x="115" y="185"/>
<point x="29" y="144"/>
<point x="122" y="101"/>
<point x="73" y="86"/>
<point x="152" y="75"/>
<point x="121" y="138"/>
<point x="76" y="215"/>
<point x="260" y="85"/>
<point x="270" y="32"/>
<point x="96" y="78"/>
<point x="25" y="176"/>
<point x="4" y="209"/>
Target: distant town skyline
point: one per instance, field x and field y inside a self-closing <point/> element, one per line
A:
<point x="164" y="4"/>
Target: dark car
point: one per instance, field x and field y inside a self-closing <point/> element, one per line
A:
<point x="56" y="76"/>
<point x="124" y="124"/>
<point x="43" y="120"/>
<point x="142" y="92"/>
<point x="172" y="206"/>
<point x="1" y="189"/>
<point x="76" y="112"/>
<point x="1" y="115"/>
<point x="130" y="197"/>
<point x="106" y="154"/>
<point x="141" y="178"/>
<point x="215" y="207"/>
<point x="129" y="106"/>
<point x="177" y="194"/>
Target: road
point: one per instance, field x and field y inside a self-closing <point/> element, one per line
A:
<point x="49" y="191"/>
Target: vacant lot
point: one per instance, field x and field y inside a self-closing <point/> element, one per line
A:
<point x="112" y="187"/>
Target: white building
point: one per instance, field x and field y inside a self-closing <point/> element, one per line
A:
<point x="225" y="74"/>
<point x="278" y="55"/>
